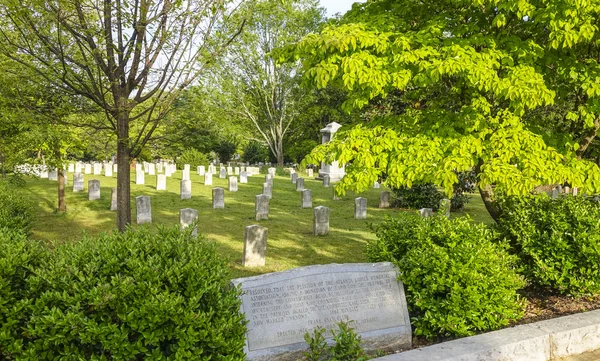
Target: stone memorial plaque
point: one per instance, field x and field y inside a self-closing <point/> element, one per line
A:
<point x="281" y="307"/>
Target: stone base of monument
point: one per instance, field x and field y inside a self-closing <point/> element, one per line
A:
<point x="282" y="307"/>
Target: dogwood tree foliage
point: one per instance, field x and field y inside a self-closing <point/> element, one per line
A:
<point x="468" y="76"/>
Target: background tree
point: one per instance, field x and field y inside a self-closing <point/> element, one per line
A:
<point x="255" y="87"/>
<point x="131" y="59"/>
<point x="468" y="78"/>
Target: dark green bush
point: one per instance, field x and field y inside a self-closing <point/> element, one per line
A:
<point x="129" y="296"/>
<point x="458" y="280"/>
<point x="419" y="196"/>
<point x="255" y="152"/>
<point x="16" y="211"/>
<point x="192" y="157"/>
<point x="557" y="240"/>
<point x="19" y="257"/>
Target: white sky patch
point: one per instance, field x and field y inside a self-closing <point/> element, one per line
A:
<point x="337" y="6"/>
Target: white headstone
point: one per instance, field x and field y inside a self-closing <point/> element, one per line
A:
<point x="71" y="168"/>
<point x="384" y="200"/>
<point x="334" y="171"/>
<point x="299" y="184"/>
<point x="87" y="169"/>
<point x="267" y="189"/>
<point x="243" y="177"/>
<point x="218" y="195"/>
<point x="78" y="182"/>
<point x="151" y="169"/>
<point x="261" y="207"/>
<point x="255" y="246"/>
<point x="143" y="209"/>
<point x="139" y="177"/>
<point x="321" y="221"/>
<point x="108" y="170"/>
<point x="186" y="188"/>
<point x="360" y="208"/>
<point x="233" y="186"/>
<point x="208" y="179"/>
<point x="113" y="200"/>
<point x="306" y="198"/>
<point x="161" y="182"/>
<point x="187" y="217"/>
<point x="93" y="189"/>
<point x="201" y="170"/>
<point x="222" y="173"/>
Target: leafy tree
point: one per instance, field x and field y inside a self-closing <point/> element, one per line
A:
<point x="255" y="152"/>
<point x="132" y="59"/>
<point x="468" y="80"/>
<point x="255" y="87"/>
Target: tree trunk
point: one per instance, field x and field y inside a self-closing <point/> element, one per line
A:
<point x="279" y="149"/>
<point x="62" y="203"/>
<point x="487" y="195"/>
<point x="123" y="175"/>
<point x="589" y="138"/>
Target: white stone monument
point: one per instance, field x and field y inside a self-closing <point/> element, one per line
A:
<point x="334" y="171"/>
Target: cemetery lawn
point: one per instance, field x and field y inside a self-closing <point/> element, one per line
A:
<point x="290" y="240"/>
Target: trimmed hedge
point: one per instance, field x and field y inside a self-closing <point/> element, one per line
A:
<point x="135" y="295"/>
<point x="557" y="240"/>
<point x="458" y="280"/>
<point x="16" y="211"/>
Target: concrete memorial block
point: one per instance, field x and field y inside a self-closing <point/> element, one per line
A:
<point x="309" y="173"/>
<point x="334" y="171"/>
<point x="71" y="168"/>
<point x="113" y="199"/>
<point x="306" y="198"/>
<point x="185" y="188"/>
<point x="261" y="207"/>
<point x="384" y="199"/>
<point x="87" y="169"/>
<point x="326" y="181"/>
<point x="360" y="208"/>
<point x="294" y="177"/>
<point x="93" y="189"/>
<point x="244" y="177"/>
<point x="222" y="173"/>
<point x="281" y="307"/>
<point x="255" y="246"/>
<point x="299" y="184"/>
<point x="208" y="179"/>
<point x="236" y="170"/>
<point x="426" y="212"/>
<point x="232" y="183"/>
<point x="201" y="170"/>
<point x="140" y="177"/>
<point x="187" y="217"/>
<point x="151" y="169"/>
<point x="161" y="182"/>
<point x="143" y="210"/>
<point x="268" y="190"/>
<point x="77" y="182"/>
<point x="321" y="221"/>
<point x="53" y="175"/>
<point x="218" y="198"/>
<point x="229" y="170"/>
<point x="115" y="168"/>
<point x="376" y="185"/>
<point x="272" y="171"/>
<point x="185" y="174"/>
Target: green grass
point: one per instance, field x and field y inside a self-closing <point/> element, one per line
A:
<point x="290" y="240"/>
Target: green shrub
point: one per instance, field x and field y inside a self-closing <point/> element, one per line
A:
<point x="346" y="347"/>
<point x="255" y="152"/>
<point x="458" y="280"/>
<point x="129" y="296"/>
<point x="18" y="259"/>
<point x="192" y="157"/>
<point x="557" y="240"/>
<point x="16" y="211"/>
<point x="419" y="196"/>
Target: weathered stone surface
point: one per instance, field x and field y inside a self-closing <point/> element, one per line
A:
<point x="376" y="185"/>
<point x="281" y="307"/>
<point x="115" y="168"/>
<point x="360" y="208"/>
<point x="93" y="189"/>
<point x="334" y="170"/>
<point x="113" y="199"/>
<point x="97" y="168"/>
<point x="186" y="174"/>
<point x="306" y="198"/>
<point x="108" y="170"/>
<point x="574" y="334"/>
<point x="87" y="169"/>
<point x="261" y="207"/>
<point x="294" y="177"/>
<point x="151" y="169"/>
<point x="143" y="210"/>
<point x="140" y="177"/>
<point x="185" y="189"/>
<point x="272" y="171"/>
<point x="269" y="178"/>
<point x="555" y="193"/>
<point x="161" y="182"/>
<point x="268" y="189"/>
<point x="201" y="170"/>
<point x="236" y="170"/>
<point x="520" y="343"/>
<point x="187" y="217"/>
<point x="299" y="184"/>
<point x="326" y="180"/>
<point x="229" y="170"/>
<point x="309" y="173"/>
<point x="232" y="183"/>
<point x="78" y="182"/>
<point x="208" y="179"/>
<point x="218" y="198"/>
<point x="243" y="177"/>
<point x="426" y="212"/>
<point x="222" y="173"/>
<point x="384" y="199"/>
<point x="321" y="221"/>
<point x="255" y="246"/>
